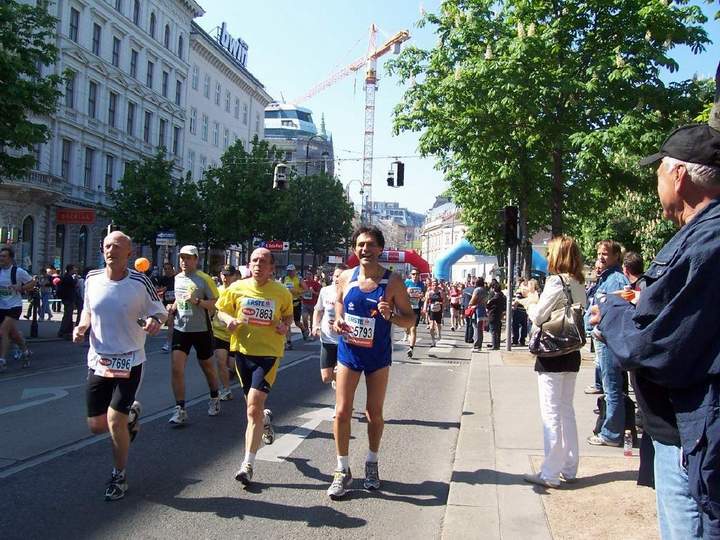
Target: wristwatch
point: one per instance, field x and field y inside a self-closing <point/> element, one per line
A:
<point x="197" y="301"/>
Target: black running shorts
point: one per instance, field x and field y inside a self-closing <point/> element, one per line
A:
<point x="417" y="316"/>
<point x="202" y="341"/>
<point x="256" y="371"/>
<point x="221" y="344"/>
<point x="13" y="313"/>
<point x="118" y="394"/>
<point x="297" y="313"/>
<point x="436" y="316"/>
<point x="328" y="355"/>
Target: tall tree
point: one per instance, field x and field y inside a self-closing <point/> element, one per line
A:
<point x="26" y="35"/>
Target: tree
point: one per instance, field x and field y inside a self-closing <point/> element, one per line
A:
<point x="520" y="100"/>
<point x="26" y="34"/>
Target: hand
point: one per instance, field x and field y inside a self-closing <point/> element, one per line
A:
<point x="316" y="332"/>
<point x="341" y="327"/>
<point x="385" y="308"/>
<point x="152" y="326"/>
<point x="232" y="325"/>
<point x="595" y="315"/>
<point x="281" y="328"/>
<point x="171" y="309"/>
<point x="79" y="334"/>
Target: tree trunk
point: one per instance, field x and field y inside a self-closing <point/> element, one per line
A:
<point x="557" y="193"/>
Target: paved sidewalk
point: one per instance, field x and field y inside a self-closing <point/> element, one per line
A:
<point x="500" y="439"/>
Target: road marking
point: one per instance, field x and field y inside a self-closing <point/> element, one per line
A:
<point x="57" y="392"/>
<point x="72" y="447"/>
<point x="288" y="443"/>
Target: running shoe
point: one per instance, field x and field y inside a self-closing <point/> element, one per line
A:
<point x="116" y="487"/>
<point x="134" y="419"/>
<point x="3" y="365"/>
<point x="26" y="354"/>
<point x="340" y="484"/>
<point x="245" y="474"/>
<point x="166" y="348"/>
<point x="214" y="406"/>
<point x="372" y="477"/>
<point x="179" y="416"/>
<point x="225" y="394"/>
<point x="410" y="353"/>
<point x="289" y="346"/>
<point x="268" y="436"/>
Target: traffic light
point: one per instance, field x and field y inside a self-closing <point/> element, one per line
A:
<point x="510" y="222"/>
<point x="399" y="173"/>
<point x="280" y="177"/>
<point x="391" y="179"/>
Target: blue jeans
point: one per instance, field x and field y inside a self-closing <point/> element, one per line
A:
<point x="679" y="516"/>
<point x="612" y="383"/>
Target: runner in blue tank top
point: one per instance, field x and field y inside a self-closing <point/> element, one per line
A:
<point x="370" y="299"/>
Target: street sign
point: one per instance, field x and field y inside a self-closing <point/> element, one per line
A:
<point x="277" y="245"/>
<point x="165" y="239"/>
<point x="334" y="259"/>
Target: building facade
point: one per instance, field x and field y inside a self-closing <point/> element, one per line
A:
<point x="127" y="66"/>
<point x="225" y="102"/>
<point x="400" y="226"/>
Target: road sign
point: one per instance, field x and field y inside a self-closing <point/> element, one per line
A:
<point x="165" y="239"/>
<point x="334" y="259"/>
<point x="277" y="245"/>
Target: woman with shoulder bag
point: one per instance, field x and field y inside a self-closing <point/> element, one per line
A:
<point x="557" y="374"/>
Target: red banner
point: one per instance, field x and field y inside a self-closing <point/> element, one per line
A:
<point x="75" y="216"/>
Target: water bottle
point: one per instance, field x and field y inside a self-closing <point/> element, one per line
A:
<point x="628" y="443"/>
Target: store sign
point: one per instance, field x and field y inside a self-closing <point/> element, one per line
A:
<point x="392" y="256"/>
<point x="277" y="245"/>
<point x="237" y="48"/>
<point x="75" y="216"/>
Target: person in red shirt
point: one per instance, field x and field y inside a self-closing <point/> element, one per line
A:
<point x="309" y="299"/>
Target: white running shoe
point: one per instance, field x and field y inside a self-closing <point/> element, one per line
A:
<point x="179" y="416"/>
<point x="245" y="474"/>
<point x="225" y="394"/>
<point x="214" y="406"/>
<point x="268" y="436"/>
<point x="340" y="484"/>
<point x="166" y="348"/>
<point x="134" y="419"/>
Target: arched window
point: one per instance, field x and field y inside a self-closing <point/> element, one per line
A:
<point x="28" y="243"/>
<point x="82" y="248"/>
<point x="166" y="41"/>
<point x="152" y="25"/>
<point x="59" y="258"/>
<point x="180" y="47"/>
<point x="136" y="12"/>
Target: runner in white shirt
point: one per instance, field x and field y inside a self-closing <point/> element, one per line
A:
<point x="121" y="307"/>
<point x="13" y="282"/>
<point x="323" y="320"/>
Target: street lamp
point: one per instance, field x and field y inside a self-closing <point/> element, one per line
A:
<point x="307" y="150"/>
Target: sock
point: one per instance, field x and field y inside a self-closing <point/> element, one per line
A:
<point x="119" y="473"/>
<point x="213" y="394"/>
<point x="250" y="458"/>
<point x="180" y="402"/>
<point x="343" y="463"/>
<point x="372" y="457"/>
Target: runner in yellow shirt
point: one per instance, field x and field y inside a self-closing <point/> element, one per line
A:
<point x="221" y="338"/>
<point x="296" y="287"/>
<point x="258" y="313"/>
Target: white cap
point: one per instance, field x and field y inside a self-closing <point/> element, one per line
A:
<point x="244" y="272"/>
<point x="189" y="250"/>
<point x="290" y="267"/>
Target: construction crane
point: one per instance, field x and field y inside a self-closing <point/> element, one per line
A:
<point x="369" y="60"/>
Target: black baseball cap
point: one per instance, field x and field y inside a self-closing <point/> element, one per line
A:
<point x="228" y="270"/>
<point x="694" y="143"/>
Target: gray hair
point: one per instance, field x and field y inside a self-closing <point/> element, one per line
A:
<point x="121" y="235"/>
<point x="702" y="175"/>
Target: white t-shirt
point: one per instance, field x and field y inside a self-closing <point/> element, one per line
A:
<point x="9" y="297"/>
<point x="326" y="304"/>
<point x="115" y="307"/>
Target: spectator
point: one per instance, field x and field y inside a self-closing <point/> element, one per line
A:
<point x="65" y="291"/>
<point x="467" y="293"/>
<point x="495" y="311"/>
<point x="519" y="320"/>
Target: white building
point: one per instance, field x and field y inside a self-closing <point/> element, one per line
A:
<point x="125" y="97"/>
<point x="225" y="102"/>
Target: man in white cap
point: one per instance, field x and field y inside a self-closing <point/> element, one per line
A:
<point x="297" y="288"/>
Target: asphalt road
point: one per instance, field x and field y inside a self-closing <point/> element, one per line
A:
<point x="52" y="470"/>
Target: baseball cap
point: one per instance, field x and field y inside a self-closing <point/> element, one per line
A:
<point x="228" y="270"/>
<point x="694" y="143"/>
<point x="290" y="267"/>
<point x="189" y="250"/>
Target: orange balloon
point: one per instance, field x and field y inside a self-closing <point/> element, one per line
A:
<point x="142" y="264"/>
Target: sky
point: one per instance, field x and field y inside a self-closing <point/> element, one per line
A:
<point x="293" y="46"/>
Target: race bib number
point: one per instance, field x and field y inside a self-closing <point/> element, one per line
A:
<point x="289" y="285"/>
<point x="362" y="331"/>
<point x="258" y="312"/>
<point x="6" y="291"/>
<point x="114" y="366"/>
<point x="183" y="296"/>
<point x="307" y="295"/>
<point x="435" y="307"/>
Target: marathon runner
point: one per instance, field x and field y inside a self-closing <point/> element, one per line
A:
<point x="434" y="305"/>
<point x="258" y="313"/>
<point x="416" y="291"/>
<point x="369" y="299"/>
<point x="296" y="288"/>
<point x="311" y="289"/>
<point x="221" y="337"/>
<point x="195" y="297"/>
<point x="166" y="291"/>
<point x="117" y="301"/>
<point x="323" y="323"/>
<point x="13" y="282"/>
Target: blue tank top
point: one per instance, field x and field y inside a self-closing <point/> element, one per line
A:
<point x="369" y="346"/>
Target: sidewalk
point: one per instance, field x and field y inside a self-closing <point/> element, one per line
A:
<point x="501" y="439"/>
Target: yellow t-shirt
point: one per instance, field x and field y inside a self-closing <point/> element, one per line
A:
<point x="293" y="285"/>
<point x="261" y="309"/>
<point x="219" y="329"/>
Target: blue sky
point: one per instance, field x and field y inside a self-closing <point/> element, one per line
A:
<point x="293" y="46"/>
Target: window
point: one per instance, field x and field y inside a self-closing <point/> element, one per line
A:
<point x="133" y="63"/>
<point x="161" y="135"/>
<point x="165" y="82"/>
<point x="191" y="162"/>
<point x="136" y="12"/>
<point x="195" y="77"/>
<point x="74" y="24"/>
<point x="245" y="114"/>
<point x="149" y="78"/>
<point x="118" y="5"/>
<point x="89" y="158"/>
<point x="181" y="47"/>
<point x="37" y="151"/>
<point x="109" y="168"/>
<point x="237" y="107"/>
<point x="92" y="99"/>
<point x="65" y="159"/>
<point x="193" y="120"/>
<point x="216" y="133"/>
<point x="148" y="121"/>
<point x="206" y="86"/>
<point x="176" y="140"/>
<point x="96" y="39"/>
<point x="218" y="92"/>
<point x="112" y="109"/>
<point x="166" y="38"/>
<point x="204" y="132"/>
<point x="203" y="164"/>
<point x="152" y="25"/>
<point x="226" y="138"/>
<point x="227" y="101"/>
<point x="70" y="90"/>
<point x="257" y="123"/>
<point x="116" y="52"/>
<point x="130" y="126"/>
<point x="178" y="92"/>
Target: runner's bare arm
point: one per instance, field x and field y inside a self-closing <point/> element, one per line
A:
<point x="340" y="324"/>
<point x="80" y="329"/>
<point x="398" y="297"/>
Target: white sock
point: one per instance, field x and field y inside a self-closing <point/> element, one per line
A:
<point x="372" y="457"/>
<point x="118" y="472"/>
<point x="250" y="458"/>
<point x="343" y="463"/>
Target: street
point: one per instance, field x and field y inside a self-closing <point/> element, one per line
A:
<point x="181" y="481"/>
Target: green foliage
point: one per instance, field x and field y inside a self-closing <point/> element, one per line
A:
<point x="26" y="42"/>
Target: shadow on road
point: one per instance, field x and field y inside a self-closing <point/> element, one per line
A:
<point x="500" y="478"/>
